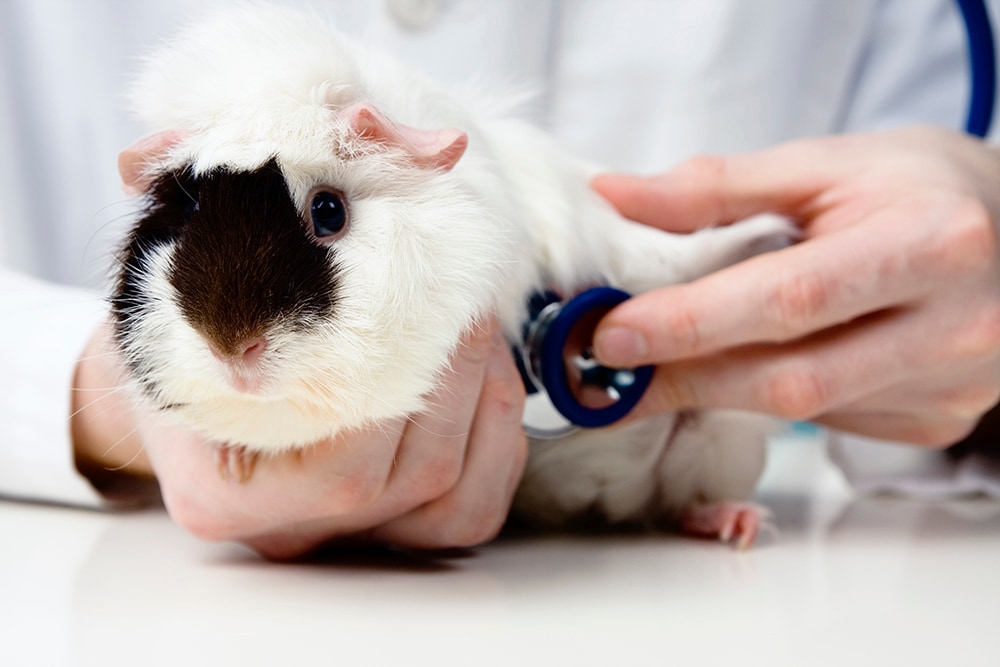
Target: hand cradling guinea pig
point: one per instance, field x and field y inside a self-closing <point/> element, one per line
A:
<point x="320" y="226"/>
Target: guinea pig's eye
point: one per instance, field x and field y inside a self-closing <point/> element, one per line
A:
<point x="190" y="207"/>
<point x="328" y="213"/>
<point x="188" y="195"/>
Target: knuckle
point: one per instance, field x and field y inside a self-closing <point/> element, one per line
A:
<point x="795" y="302"/>
<point x="980" y="340"/>
<point x="349" y="494"/>
<point x="437" y="476"/>
<point x="702" y="166"/>
<point x="798" y="393"/>
<point x="473" y="351"/>
<point x="683" y="327"/>
<point x="505" y="397"/>
<point x="707" y="168"/>
<point x="968" y="243"/>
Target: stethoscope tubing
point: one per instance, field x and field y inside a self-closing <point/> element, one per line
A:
<point x="982" y="66"/>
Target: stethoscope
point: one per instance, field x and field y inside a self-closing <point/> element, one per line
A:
<point x="568" y="390"/>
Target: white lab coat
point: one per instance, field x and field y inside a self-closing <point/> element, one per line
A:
<point x="634" y="85"/>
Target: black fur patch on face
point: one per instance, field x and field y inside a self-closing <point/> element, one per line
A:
<point x="243" y="260"/>
<point x="171" y="200"/>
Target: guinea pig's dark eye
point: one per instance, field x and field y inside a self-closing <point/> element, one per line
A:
<point x="188" y="195"/>
<point x="328" y="213"/>
<point x="190" y="207"/>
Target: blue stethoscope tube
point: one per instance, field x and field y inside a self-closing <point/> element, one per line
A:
<point x="982" y="66"/>
<point x="552" y="323"/>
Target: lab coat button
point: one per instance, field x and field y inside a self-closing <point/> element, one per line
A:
<point x="414" y="14"/>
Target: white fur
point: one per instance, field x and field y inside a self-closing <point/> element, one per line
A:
<point x="426" y="255"/>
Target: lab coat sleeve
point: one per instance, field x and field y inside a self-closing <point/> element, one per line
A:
<point x="876" y="466"/>
<point x="45" y="329"/>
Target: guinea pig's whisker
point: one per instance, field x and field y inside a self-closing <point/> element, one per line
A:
<point x="142" y="423"/>
<point x="436" y="434"/>
<point x="124" y="217"/>
<point x="177" y="180"/>
<point x="112" y="392"/>
<point x="140" y="450"/>
<point x="135" y="456"/>
<point x="109" y="390"/>
<point x="99" y="355"/>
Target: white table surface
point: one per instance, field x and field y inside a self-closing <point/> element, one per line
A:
<point x="849" y="581"/>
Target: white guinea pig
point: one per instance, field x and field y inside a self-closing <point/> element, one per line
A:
<point x="320" y="227"/>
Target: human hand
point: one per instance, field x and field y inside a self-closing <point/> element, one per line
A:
<point x="883" y="321"/>
<point x="444" y="478"/>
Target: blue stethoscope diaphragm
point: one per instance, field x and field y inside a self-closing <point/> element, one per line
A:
<point x="560" y="372"/>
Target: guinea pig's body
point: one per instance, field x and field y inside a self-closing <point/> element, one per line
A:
<point x="322" y="226"/>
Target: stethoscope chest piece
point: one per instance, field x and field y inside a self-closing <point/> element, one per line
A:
<point x="557" y="364"/>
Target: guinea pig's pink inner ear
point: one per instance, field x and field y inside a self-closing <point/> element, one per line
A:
<point x="428" y="149"/>
<point x="134" y="161"/>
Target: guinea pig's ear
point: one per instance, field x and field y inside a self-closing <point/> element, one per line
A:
<point x="133" y="162"/>
<point x="428" y="149"/>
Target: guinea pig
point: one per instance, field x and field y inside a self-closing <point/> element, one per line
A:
<point x="319" y="227"/>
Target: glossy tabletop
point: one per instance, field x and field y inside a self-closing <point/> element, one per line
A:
<point x="848" y="581"/>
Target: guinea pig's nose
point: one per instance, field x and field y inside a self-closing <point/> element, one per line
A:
<point x="246" y="353"/>
<point x="251" y="351"/>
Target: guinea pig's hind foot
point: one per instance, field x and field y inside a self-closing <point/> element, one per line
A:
<point x="235" y="463"/>
<point x="736" y="523"/>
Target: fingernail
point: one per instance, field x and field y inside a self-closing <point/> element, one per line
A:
<point x="620" y="347"/>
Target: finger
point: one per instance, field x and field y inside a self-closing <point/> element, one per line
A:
<point x="298" y="500"/>
<point x="433" y="447"/>
<point x="800" y="380"/>
<point x="426" y="464"/>
<point x="712" y="189"/>
<point x="335" y="478"/>
<point x="368" y="476"/>
<point x="780" y="296"/>
<point x="476" y="508"/>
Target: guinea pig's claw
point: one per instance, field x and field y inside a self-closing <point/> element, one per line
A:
<point x="736" y="523"/>
<point x="235" y="463"/>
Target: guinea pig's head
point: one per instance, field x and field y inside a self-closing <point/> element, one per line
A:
<point x="272" y="304"/>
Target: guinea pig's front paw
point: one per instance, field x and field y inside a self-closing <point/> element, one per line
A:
<point x="235" y="463"/>
<point x="737" y="523"/>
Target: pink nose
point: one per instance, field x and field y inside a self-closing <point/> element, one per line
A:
<point x="251" y="351"/>
<point x="246" y="353"/>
